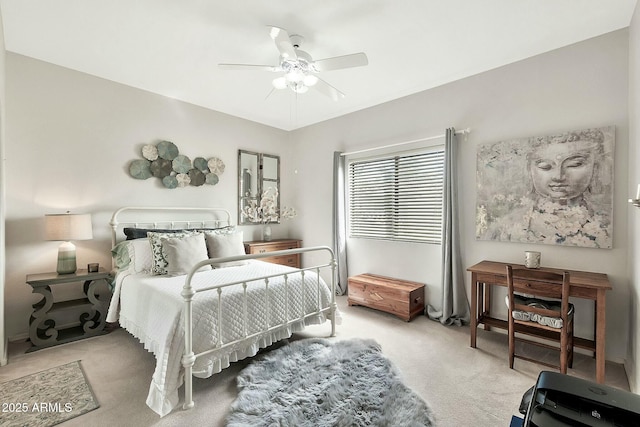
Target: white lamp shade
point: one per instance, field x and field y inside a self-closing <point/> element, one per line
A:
<point x="66" y="227"/>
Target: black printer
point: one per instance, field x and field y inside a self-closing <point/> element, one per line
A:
<point x="563" y="400"/>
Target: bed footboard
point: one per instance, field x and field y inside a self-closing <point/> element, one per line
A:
<point x="188" y="293"/>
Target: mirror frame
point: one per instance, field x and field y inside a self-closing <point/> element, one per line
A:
<point x="260" y="182"/>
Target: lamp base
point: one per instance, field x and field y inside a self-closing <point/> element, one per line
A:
<point x="66" y="258"/>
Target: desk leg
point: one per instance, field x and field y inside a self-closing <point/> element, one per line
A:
<point x="486" y="288"/>
<point x="600" y="335"/>
<point x="474" y="309"/>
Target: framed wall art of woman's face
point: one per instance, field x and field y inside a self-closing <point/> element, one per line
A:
<point x="554" y="189"/>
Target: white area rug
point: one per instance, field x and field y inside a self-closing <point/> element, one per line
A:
<point x="318" y="382"/>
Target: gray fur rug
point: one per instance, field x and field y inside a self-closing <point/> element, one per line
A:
<point x="318" y="382"/>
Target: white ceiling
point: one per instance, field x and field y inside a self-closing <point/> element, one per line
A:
<point x="173" y="47"/>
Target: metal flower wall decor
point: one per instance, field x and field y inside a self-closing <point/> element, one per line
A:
<point x="163" y="161"/>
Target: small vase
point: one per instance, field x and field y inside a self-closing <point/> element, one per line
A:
<point x="266" y="233"/>
<point x="531" y="259"/>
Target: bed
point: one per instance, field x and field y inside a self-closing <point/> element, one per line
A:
<point x="187" y="291"/>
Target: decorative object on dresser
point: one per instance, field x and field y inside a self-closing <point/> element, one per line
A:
<point x="261" y="247"/>
<point x="91" y="309"/>
<point x="67" y="227"/>
<point x="163" y="161"/>
<point x="268" y="212"/>
<point x="402" y="298"/>
<point x="318" y="382"/>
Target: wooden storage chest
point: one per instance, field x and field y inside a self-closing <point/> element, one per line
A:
<point x="260" y="247"/>
<point x="402" y="298"/>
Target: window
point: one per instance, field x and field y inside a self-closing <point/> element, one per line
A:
<point x="397" y="198"/>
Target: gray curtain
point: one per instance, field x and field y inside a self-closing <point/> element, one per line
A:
<point x="455" y="304"/>
<point x="339" y="222"/>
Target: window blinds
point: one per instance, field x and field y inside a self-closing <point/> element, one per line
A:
<point x="397" y="198"/>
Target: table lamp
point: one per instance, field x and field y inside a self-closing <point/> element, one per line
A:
<point x="67" y="227"/>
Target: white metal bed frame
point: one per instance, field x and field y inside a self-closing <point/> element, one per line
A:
<point x="188" y="292"/>
<point x="207" y="217"/>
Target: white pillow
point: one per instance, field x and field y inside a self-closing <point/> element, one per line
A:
<point x="159" y="263"/>
<point x="182" y="253"/>
<point x="140" y="252"/>
<point x="224" y="245"/>
<point x="133" y="255"/>
<point x="230" y="229"/>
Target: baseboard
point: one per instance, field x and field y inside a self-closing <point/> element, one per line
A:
<point x="629" y="370"/>
<point x="4" y="357"/>
<point x="19" y="337"/>
<point x="25" y="335"/>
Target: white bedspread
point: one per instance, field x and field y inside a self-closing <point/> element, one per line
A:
<point x="150" y="308"/>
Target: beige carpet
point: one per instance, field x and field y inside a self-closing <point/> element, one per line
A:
<point x="463" y="386"/>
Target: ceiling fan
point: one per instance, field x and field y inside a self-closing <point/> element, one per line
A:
<point x="299" y="68"/>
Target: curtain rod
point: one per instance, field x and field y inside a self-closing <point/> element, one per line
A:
<point x="458" y="132"/>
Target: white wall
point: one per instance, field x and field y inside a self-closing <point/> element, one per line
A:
<point x="70" y="138"/>
<point x="632" y="364"/>
<point x="3" y="336"/>
<point x="580" y="86"/>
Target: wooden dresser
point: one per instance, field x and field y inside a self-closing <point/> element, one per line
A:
<point x="260" y="247"/>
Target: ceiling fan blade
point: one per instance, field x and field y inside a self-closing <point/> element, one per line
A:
<point x="249" y="67"/>
<point x="270" y="92"/>
<point x="326" y="89"/>
<point x="283" y="43"/>
<point x="339" y="62"/>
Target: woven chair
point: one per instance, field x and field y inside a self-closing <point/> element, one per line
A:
<point x="540" y="310"/>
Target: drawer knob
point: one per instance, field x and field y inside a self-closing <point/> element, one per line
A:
<point x="262" y="251"/>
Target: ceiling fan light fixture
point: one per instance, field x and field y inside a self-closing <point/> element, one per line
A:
<point x="298" y="67"/>
<point x="310" y="80"/>
<point x="294" y="76"/>
<point x="280" y="83"/>
<point x="299" y="87"/>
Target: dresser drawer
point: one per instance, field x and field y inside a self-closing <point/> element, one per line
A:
<point x="290" y="260"/>
<point x="279" y="246"/>
<point x="260" y="247"/>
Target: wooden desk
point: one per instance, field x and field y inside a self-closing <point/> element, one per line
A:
<point x="586" y="285"/>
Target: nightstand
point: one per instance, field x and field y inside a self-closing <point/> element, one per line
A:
<point x="260" y="247"/>
<point x="91" y="310"/>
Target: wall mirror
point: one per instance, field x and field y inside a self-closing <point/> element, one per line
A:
<point x="258" y="176"/>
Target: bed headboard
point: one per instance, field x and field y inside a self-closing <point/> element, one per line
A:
<point x="167" y="217"/>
